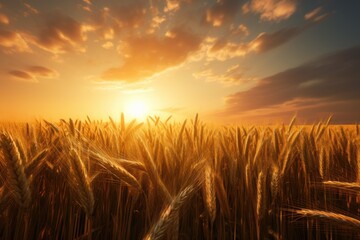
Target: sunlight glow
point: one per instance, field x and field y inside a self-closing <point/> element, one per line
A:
<point x="138" y="109"/>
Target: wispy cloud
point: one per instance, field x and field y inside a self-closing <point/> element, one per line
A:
<point x="234" y="75"/>
<point x="268" y="41"/>
<point x="22" y="75"/>
<point x="223" y="11"/>
<point x="43" y="72"/>
<point x="29" y="10"/>
<point x="316" y="15"/>
<point x="271" y="10"/>
<point x="32" y="73"/>
<point x="12" y="42"/>
<point x="223" y="49"/>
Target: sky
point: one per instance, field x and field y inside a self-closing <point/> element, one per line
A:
<point x="228" y="60"/>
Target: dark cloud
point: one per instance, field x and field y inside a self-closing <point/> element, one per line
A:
<point x="43" y="72"/>
<point x="223" y="11"/>
<point x="132" y="15"/>
<point x="147" y="55"/>
<point x="324" y="85"/>
<point x="122" y="18"/>
<point x="267" y="41"/>
<point x="60" y="34"/>
<point x="32" y="73"/>
<point x="22" y="75"/>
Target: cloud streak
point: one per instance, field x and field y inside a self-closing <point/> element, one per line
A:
<point x="223" y="49"/>
<point x="234" y="75"/>
<point x="316" y="15"/>
<point x="32" y="73"/>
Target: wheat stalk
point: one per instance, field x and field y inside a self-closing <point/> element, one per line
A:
<point x="118" y="171"/>
<point x="260" y="196"/>
<point x="343" y="185"/>
<point x="36" y="162"/>
<point x="169" y="214"/>
<point x="275" y="182"/>
<point x="84" y="191"/>
<point x="210" y="197"/>
<point x="336" y="217"/>
<point x="17" y="181"/>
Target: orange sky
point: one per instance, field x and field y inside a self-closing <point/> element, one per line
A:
<point x="229" y="60"/>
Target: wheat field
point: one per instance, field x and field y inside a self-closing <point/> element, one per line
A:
<point x="163" y="179"/>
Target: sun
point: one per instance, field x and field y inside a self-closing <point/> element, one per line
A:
<point x="138" y="109"/>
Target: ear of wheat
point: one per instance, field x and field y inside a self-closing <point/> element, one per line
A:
<point x="17" y="181"/>
<point x="210" y="197"/>
<point x="169" y="214"/>
<point x="85" y="193"/>
<point x="329" y="216"/>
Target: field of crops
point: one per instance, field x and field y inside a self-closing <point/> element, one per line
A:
<point x="163" y="179"/>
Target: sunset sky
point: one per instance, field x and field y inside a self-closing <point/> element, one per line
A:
<point x="228" y="60"/>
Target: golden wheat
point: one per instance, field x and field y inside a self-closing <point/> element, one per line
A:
<point x="17" y="181"/>
<point x="324" y="215"/>
<point x="111" y="180"/>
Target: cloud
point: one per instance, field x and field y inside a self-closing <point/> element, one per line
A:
<point x="271" y="10"/>
<point x="267" y="41"/>
<point x="108" y="45"/>
<point x="43" y="72"/>
<point x="223" y="49"/>
<point x="322" y="85"/>
<point x="223" y="11"/>
<point x="13" y="42"/>
<point x="174" y="5"/>
<point x="22" y="75"/>
<point x="4" y="19"/>
<point x="156" y="21"/>
<point x="316" y="15"/>
<point x="234" y="75"/>
<point x="132" y="15"/>
<point x="223" y="41"/>
<point x="32" y="73"/>
<point x="240" y="30"/>
<point x="147" y="55"/>
<point x="61" y="34"/>
<point x="30" y="10"/>
<point x="121" y="19"/>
